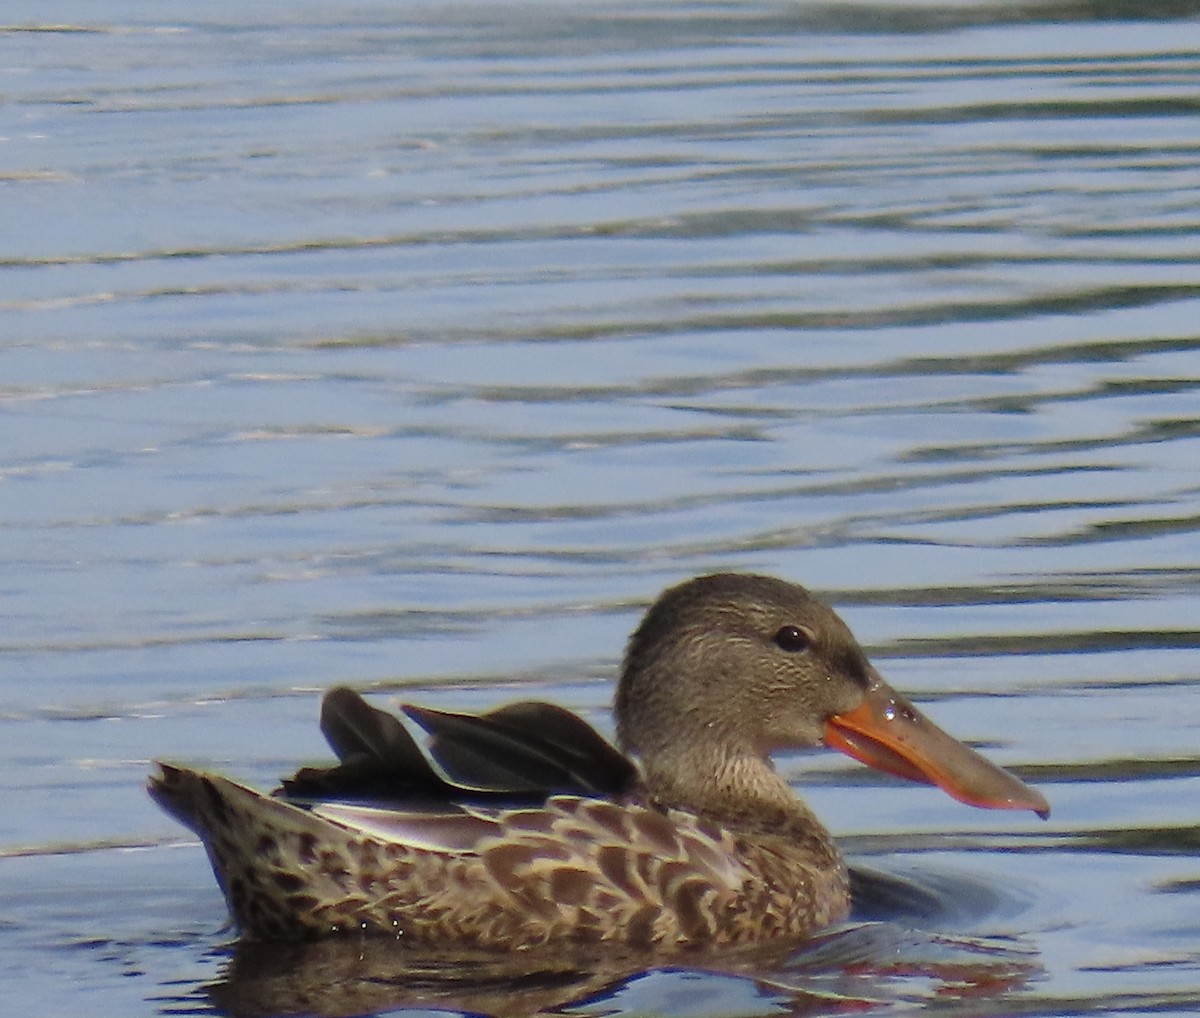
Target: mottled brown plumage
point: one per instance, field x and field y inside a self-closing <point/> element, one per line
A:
<point x="524" y="827"/>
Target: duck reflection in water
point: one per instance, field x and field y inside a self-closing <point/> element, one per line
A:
<point x="850" y="968"/>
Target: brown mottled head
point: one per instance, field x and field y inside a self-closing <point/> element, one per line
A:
<point x="751" y="663"/>
<point x="725" y="669"/>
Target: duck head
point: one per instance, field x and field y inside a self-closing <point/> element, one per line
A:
<point x="726" y="669"/>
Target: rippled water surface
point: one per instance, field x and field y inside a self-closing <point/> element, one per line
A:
<point x="417" y="346"/>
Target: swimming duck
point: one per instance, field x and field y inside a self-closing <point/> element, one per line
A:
<point x="523" y="826"/>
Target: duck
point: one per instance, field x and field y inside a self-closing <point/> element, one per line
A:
<point x="523" y="827"/>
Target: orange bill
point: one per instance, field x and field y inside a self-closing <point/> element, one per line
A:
<point x="888" y="733"/>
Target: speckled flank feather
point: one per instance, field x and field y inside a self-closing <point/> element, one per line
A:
<point x="576" y="868"/>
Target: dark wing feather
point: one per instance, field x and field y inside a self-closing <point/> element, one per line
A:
<point x="379" y="759"/>
<point x="524" y="748"/>
<point x="519" y="753"/>
<point x="356" y="729"/>
<point x="590" y="759"/>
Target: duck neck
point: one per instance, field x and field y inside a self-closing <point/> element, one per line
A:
<point x="741" y="792"/>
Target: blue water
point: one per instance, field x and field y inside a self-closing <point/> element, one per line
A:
<point x="418" y="346"/>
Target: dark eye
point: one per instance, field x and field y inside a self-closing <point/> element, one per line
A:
<point x="792" y="639"/>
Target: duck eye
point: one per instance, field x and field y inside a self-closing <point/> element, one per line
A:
<point x="792" y="639"/>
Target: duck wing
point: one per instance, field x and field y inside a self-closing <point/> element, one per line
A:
<point x="519" y="753"/>
<point x="379" y="759"/>
<point x="526" y="747"/>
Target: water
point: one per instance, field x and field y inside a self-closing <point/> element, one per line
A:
<point x="417" y="346"/>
